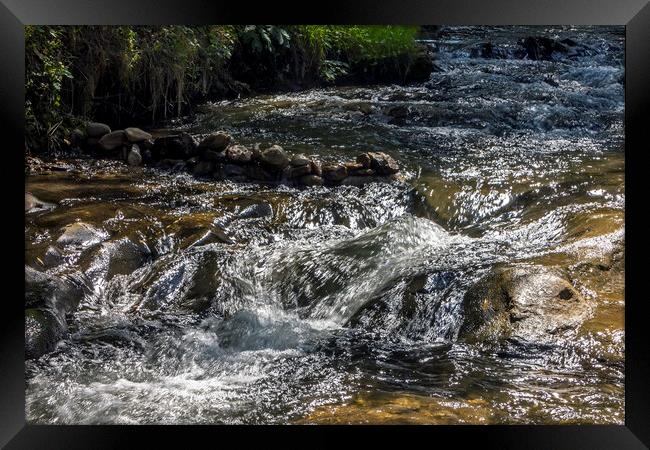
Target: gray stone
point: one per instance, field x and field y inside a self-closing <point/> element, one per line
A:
<point x="136" y="135"/>
<point x="334" y="172"/>
<point x="82" y="234"/>
<point x="238" y="154"/>
<point x="276" y="157"/>
<point x="113" y="140"/>
<point x="134" y="158"/>
<point x="300" y="160"/>
<point x="216" y="141"/>
<point x="316" y="168"/>
<point x="299" y="171"/>
<point x="382" y="163"/>
<point x="97" y="130"/>
<point x="311" y="180"/>
<point x="43" y="329"/>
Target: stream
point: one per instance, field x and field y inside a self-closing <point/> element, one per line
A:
<point x="223" y="302"/>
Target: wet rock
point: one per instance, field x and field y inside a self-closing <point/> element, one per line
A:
<point x="275" y="156"/>
<point x="203" y="168"/>
<point x="316" y="168"/>
<point x="353" y="166"/>
<point x="211" y="155"/>
<point x="300" y="160"/>
<point x="256" y="172"/>
<point x="541" y="47"/>
<point x="365" y="160"/>
<point x="174" y="164"/>
<point x="397" y="112"/>
<point x="363" y="172"/>
<point x="120" y="257"/>
<point x="216" y="141"/>
<point x="528" y="303"/>
<point x="382" y="163"/>
<point x="134" y="158"/>
<point x="49" y="291"/>
<point x="33" y="204"/>
<point x="299" y="171"/>
<point x="77" y="138"/>
<point x="421" y="68"/>
<point x="311" y="180"/>
<point x="239" y="154"/>
<point x="148" y="144"/>
<point x="81" y="233"/>
<point x="256" y="211"/>
<point x="43" y="329"/>
<point x="180" y="146"/>
<point x="334" y="172"/>
<point x="136" y="135"/>
<point x="113" y="140"/>
<point x="234" y="170"/>
<point x="97" y="130"/>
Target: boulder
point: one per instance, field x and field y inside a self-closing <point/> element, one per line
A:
<point x="216" y="141"/>
<point x="120" y="257"/>
<point x="334" y="172"/>
<point x="365" y="160"/>
<point x="299" y="171"/>
<point x="238" y="154"/>
<point x="300" y="160"/>
<point x="234" y="170"/>
<point x="352" y="166"/>
<point x="82" y="234"/>
<point x="256" y="172"/>
<point x="179" y="146"/>
<point x="256" y="211"/>
<point x="211" y="155"/>
<point x="363" y="172"/>
<point x="134" y="158"/>
<point x="33" y="204"/>
<point x="43" y="329"/>
<point x="311" y="180"/>
<point x="541" y="47"/>
<point x="77" y="138"/>
<point x="526" y="303"/>
<point x="97" y="130"/>
<point x="316" y="168"/>
<point x="113" y="140"/>
<point x="382" y="163"/>
<point x="275" y="156"/>
<point x="136" y="135"/>
<point x="203" y="168"/>
<point x="49" y="291"/>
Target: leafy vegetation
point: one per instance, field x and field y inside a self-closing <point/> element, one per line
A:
<point x="145" y="74"/>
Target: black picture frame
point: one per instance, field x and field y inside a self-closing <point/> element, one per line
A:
<point x="634" y="14"/>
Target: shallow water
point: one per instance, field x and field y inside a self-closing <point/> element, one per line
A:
<point x="240" y="303"/>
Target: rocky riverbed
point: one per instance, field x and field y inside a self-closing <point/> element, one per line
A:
<point x="445" y="252"/>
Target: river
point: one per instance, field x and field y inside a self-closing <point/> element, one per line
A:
<point x="222" y="302"/>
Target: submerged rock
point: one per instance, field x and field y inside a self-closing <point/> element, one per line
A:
<point x="80" y="233"/>
<point x="311" y="180"/>
<point x="45" y="290"/>
<point x="33" y="204"/>
<point x="528" y="303"/>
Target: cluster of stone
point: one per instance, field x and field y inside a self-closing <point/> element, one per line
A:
<point x="218" y="157"/>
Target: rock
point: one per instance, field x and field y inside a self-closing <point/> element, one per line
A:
<point x="398" y="112"/>
<point x="134" y="158"/>
<point x="300" y="160"/>
<point x="382" y="163"/>
<point x="49" y="291"/>
<point x="211" y="155"/>
<point x="120" y="257"/>
<point x="233" y="170"/>
<point x="33" y="204"/>
<point x="351" y="166"/>
<point x="179" y="146"/>
<point x="77" y="138"/>
<point x="363" y="172"/>
<point x="43" y="329"/>
<point x="299" y="171"/>
<point x="529" y="303"/>
<point x="174" y="164"/>
<point x="275" y="156"/>
<point x="148" y="144"/>
<point x="192" y="162"/>
<point x="92" y="142"/>
<point x="239" y="154"/>
<point x="97" y="130"/>
<point x="365" y="160"/>
<point x="82" y="234"/>
<point x="357" y="180"/>
<point x="334" y="172"/>
<point x="256" y="172"/>
<point x="316" y="168"/>
<point x="136" y="135"/>
<point x="113" y="140"/>
<point x="216" y="141"/>
<point x="256" y="211"/>
<point x="311" y="180"/>
<point x="541" y="47"/>
<point x="203" y="168"/>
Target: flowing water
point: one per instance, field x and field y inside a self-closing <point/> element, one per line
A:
<point x="219" y="302"/>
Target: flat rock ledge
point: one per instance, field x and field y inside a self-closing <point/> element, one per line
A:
<point x="217" y="156"/>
